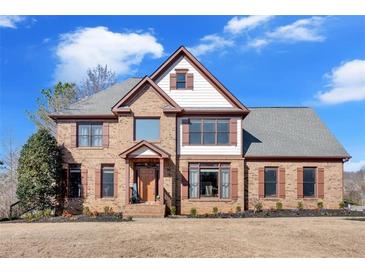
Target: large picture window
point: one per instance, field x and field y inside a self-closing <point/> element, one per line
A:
<point x="90" y="134"/>
<point x="309" y="181"/>
<point x="75" y="186"/>
<point x="209" y="180"/>
<point x="270" y="181"/>
<point x="209" y="131"/>
<point x="107" y="181"/>
<point x="147" y="129"/>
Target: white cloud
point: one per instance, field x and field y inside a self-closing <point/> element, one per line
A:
<point x="238" y="24"/>
<point x="258" y="43"/>
<point x="346" y="83"/>
<point x="210" y="43"/>
<point x="308" y="29"/>
<point x="86" y="47"/>
<point x="354" y="166"/>
<point x="10" y="21"/>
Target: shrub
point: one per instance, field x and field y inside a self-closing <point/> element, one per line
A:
<point x="320" y="205"/>
<point x="258" y="207"/>
<point x="300" y="205"/>
<point x="39" y="171"/>
<point x="341" y="205"/>
<point x="108" y="210"/>
<point x="95" y="213"/>
<point x="129" y="218"/>
<point x="66" y="214"/>
<point x="215" y="210"/>
<point x="279" y="205"/>
<point x="238" y="209"/>
<point x="173" y="210"/>
<point x="28" y="216"/>
<point x="193" y="212"/>
<point x="86" y="211"/>
<point x="47" y="213"/>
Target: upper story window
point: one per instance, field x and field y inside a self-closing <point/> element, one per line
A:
<point x="309" y="181"/>
<point x="270" y="181"/>
<point x="90" y="134"/>
<point x="209" y="132"/>
<point x="181" y="81"/>
<point x="147" y="129"/>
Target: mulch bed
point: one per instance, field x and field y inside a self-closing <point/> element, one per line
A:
<point x="74" y="219"/>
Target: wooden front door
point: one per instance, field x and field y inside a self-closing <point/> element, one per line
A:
<point x="146" y="184"/>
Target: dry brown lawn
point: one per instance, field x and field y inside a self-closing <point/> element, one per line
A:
<point x="279" y="237"/>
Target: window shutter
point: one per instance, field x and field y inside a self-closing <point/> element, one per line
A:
<point x="105" y="134"/>
<point x="281" y="182"/>
<point x="261" y="183"/>
<point x="300" y="182"/>
<point x="185" y="184"/>
<point x="172" y="81"/>
<point x="234" y="183"/>
<point x="320" y="183"/>
<point x="233" y="131"/>
<point x="84" y="182"/>
<point x="190" y="81"/>
<point x="97" y="183"/>
<point x="73" y="135"/>
<point x="115" y="182"/>
<point x="185" y="132"/>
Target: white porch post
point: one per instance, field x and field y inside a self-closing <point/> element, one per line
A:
<point x="127" y="195"/>
<point x="160" y="185"/>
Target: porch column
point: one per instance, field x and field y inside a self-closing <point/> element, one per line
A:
<point x="127" y="195"/>
<point x="160" y="183"/>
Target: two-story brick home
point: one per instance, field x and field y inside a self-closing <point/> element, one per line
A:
<point x="179" y="138"/>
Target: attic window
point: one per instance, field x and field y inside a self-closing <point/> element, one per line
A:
<point x="181" y="81"/>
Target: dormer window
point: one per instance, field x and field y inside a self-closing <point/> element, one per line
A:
<point x="181" y="81"/>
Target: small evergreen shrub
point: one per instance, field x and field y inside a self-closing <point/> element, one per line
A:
<point x="341" y="205"/>
<point x="279" y="205"/>
<point x="173" y="210"/>
<point x="215" y="210"/>
<point x="193" y="212"/>
<point x="300" y="205"/>
<point x="258" y="207"/>
<point x="238" y="209"/>
<point x="47" y="213"/>
<point x="320" y="205"/>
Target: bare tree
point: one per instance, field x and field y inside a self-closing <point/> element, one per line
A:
<point x="98" y="79"/>
<point x="355" y="186"/>
<point x="8" y="175"/>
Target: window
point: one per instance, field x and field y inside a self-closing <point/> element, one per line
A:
<point x="90" y="135"/>
<point x="270" y="180"/>
<point x="209" y="180"/>
<point x="309" y="181"/>
<point x="147" y="129"/>
<point x="75" y="187"/>
<point x="209" y="131"/>
<point x="107" y="181"/>
<point x="180" y="80"/>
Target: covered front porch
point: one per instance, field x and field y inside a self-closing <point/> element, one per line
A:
<point x="145" y="163"/>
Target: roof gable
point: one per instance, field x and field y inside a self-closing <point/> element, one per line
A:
<point x="144" y="147"/>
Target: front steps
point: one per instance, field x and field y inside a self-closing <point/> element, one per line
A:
<point x="145" y="210"/>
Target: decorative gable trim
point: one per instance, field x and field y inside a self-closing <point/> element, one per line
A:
<point x="207" y="75"/>
<point x="118" y="107"/>
<point x="129" y="152"/>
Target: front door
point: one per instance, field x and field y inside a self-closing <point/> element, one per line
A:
<point x="146" y="184"/>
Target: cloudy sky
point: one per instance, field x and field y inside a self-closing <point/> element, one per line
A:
<point x="311" y="61"/>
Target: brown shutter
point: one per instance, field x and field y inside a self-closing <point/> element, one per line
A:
<point x="300" y="182"/>
<point x="115" y="182"/>
<point x="190" y="81"/>
<point x="172" y="80"/>
<point x="97" y="183"/>
<point x="185" y="132"/>
<point x="233" y="131"/>
<point x="185" y="184"/>
<point x="320" y="183"/>
<point x="261" y="183"/>
<point x="84" y="182"/>
<point x="281" y="182"/>
<point x="234" y="182"/>
<point x="73" y="135"/>
<point x="105" y="134"/>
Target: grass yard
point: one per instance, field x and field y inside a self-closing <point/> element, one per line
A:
<point x="270" y="237"/>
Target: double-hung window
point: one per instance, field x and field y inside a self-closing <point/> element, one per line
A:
<point x="209" y="131"/>
<point x="181" y="81"/>
<point x="107" y="181"/>
<point x="209" y="181"/>
<point x="271" y="175"/>
<point x="90" y="134"/>
<point x="309" y="181"/>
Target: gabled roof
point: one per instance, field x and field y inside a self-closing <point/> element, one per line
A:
<point x="182" y="51"/>
<point x="143" y="143"/>
<point x="120" y="105"/>
<point x="284" y="132"/>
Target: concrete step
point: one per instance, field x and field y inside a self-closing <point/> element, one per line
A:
<point x="145" y="210"/>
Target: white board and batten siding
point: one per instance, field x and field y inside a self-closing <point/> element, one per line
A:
<point x="203" y="93"/>
<point x="209" y="150"/>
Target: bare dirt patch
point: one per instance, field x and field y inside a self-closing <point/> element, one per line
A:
<point x="272" y="237"/>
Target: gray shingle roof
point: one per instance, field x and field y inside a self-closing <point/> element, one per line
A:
<point x="288" y="132"/>
<point x="103" y="101"/>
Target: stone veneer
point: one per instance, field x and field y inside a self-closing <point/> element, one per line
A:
<point x="333" y="184"/>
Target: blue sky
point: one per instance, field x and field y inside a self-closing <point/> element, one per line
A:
<point x="264" y="61"/>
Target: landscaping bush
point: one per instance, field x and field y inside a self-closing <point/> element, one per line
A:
<point x="108" y="210"/>
<point x="238" y="209"/>
<point x="258" y="207"/>
<point x="279" y="205"/>
<point x="39" y="171"/>
<point x="300" y="205"/>
<point x="193" y="212"/>
<point x="67" y="214"/>
<point x="341" y="205"/>
<point x="129" y="218"/>
<point x="215" y="210"/>
<point x="86" y="211"/>
<point x="173" y="210"/>
<point x="320" y="205"/>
